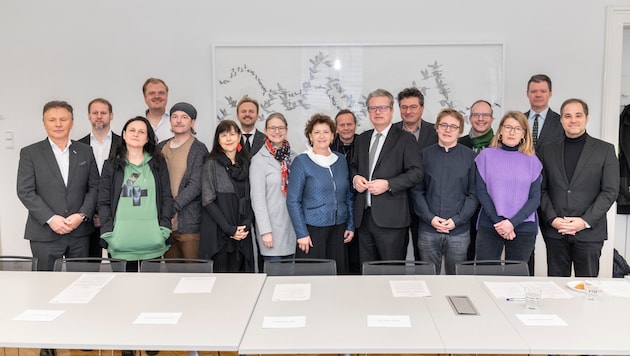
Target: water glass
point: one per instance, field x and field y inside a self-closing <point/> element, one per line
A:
<point x="591" y="289"/>
<point x="532" y="297"/>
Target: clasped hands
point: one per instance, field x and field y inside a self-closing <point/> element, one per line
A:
<point x="568" y="225"/>
<point x="375" y="187"/>
<point x="442" y="225"/>
<point x="505" y="229"/>
<point x="62" y="225"/>
<point x="240" y="233"/>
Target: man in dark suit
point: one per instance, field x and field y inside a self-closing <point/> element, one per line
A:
<point x="580" y="183"/>
<point x="57" y="182"/>
<point x="385" y="165"/>
<point x="411" y="106"/>
<point x="544" y="123"/>
<point x="247" y="113"/>
<point x="103" y="141"/>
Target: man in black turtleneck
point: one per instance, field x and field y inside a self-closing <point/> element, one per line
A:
<point x="580" y="183"/>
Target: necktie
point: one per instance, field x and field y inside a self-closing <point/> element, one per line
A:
<point x="372" y="153"/>
<point x="249" y="144"/>
<point x="535" y="129"/>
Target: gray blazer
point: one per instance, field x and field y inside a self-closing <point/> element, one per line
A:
<point x="269" y="205"/>
<point x="589" y="194"/>
<point x="41" y="189"/>
<point x="187" y="203"/>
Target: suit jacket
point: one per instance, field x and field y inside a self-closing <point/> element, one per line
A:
<point x="427" y="136"/>
<point x="115" y="140"/>
<point x="258" y="141"/>
<point x="589" y="194"/>
<point x="41" y="189"/>
<point x="399" y="162"/>
<point x="551" y="131"/>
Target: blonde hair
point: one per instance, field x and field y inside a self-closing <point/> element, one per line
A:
<point x="526" y="145"/>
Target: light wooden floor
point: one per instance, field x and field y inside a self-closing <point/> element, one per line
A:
<point x="62" y="352"/>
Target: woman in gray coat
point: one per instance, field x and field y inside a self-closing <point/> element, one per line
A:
<point x="268" y="179"/>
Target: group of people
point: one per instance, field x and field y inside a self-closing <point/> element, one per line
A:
<point x="156" y="190"/>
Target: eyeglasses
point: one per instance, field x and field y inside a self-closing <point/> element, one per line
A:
<point x="444" y="126"/>
<point x="381" y="108"/>
<point x="480" y="114"/>
<point x="409" y="107"/>
<point x="516" y="129"/>
<point x="277" y="128"/>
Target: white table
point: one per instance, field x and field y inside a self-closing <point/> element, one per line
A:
<point x="593" y="327"/>
<point x="214" y="321"/>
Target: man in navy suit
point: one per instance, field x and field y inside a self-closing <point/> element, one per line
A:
<point x="411" y="106"/>
<point x="544" y="123"/>
<point x="57" y="182"/>
<point x="103" y="141"/>
<point x="580" y="183"/>
<point x="385" y="165"/>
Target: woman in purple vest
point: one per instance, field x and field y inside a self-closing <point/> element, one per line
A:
<point x="508" y="188"/>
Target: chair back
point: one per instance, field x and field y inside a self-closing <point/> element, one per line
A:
<point x="398" y="267"/>
<point x="18" y="263"/>
<point x="90" y="264"/>
<point x="301" y="267"/>
<point x="176" y="265"/>
<point x="492" y="268"/>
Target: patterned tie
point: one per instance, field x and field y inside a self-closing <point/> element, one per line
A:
<point x="535" y="129"/>
<point x="249" y="144"/>
<point x="373" y="149"/>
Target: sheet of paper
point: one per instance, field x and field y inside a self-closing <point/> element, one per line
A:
<point x="291" y="292"/>
<point x="83" y="289"/>
<point x="411" y="288"/>
<point x="195" y="285"/>
<point x="158" y="318"/>
<point x="515" y="290"/>
<point x="541" y="320"/>
<point x="388" y="321"/>
<point x="619" y="288"/>
<point x="39" y="315"/>
<point x="284" y="322"/>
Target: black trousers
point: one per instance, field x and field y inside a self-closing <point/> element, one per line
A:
<point x="327" y="243"/>
<point x="380" y="243"/>
<point x="584" y="256"/>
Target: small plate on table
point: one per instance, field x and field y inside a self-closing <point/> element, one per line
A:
<point x="577" y="286"/>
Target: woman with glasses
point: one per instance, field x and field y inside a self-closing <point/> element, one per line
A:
<point x="227" y="213"/>
<point x="508" y="188"/>
<point x="269" y="178"/>
<point x="319" y="198"/>
<point x="445" y="200"/>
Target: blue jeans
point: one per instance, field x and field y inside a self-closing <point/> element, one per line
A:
<point x="434" y="245"/>
<point x="490" y="245"/>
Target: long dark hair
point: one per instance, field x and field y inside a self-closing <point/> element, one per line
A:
<point x="120" y="153"/>
<point x="217" y="151"/>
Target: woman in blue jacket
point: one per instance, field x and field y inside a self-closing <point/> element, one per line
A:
<point x="319" y="197"/>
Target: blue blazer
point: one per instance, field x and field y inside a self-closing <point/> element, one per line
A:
<point x="318" y="198"/>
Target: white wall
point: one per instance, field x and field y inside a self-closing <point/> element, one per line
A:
<point x="77" y="50"/>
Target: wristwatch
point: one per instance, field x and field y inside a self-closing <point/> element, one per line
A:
<point x="83" y="217"/>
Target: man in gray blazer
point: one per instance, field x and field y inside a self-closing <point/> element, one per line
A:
<point x="580" y="183"/>
<point x="385" y="165"/>
<point x="57" y="182"/>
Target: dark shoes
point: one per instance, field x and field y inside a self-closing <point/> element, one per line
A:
<point x="47" y="352"/>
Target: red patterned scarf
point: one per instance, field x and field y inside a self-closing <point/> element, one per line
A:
<point x="282" y="155"/>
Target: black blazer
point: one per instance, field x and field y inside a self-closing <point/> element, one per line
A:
<point x="551" y="131"/>
<point x="589" y="194"/>
<point x="399" y="162"/>
<point x="41" y="189"/>
<point x="257" y="142"/>
<point x="115" y="141"/>
<point x="428" y="135"/>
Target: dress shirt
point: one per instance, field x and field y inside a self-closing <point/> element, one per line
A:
<point x="163" y="128"/>
<point x="101" y="150"/>
<point x="378" y="153"/>
<point x="62" y="156"/>
<point x="416" y="132"/>
<point x="541" y="120"/>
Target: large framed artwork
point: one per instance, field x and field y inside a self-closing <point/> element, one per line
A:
<point x="301" y="80"/>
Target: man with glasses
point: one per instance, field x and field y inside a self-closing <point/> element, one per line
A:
<point x="385" y="165"/>
<point x="481" y="133"/>
<point x="411" y="106"/>
<point x="544" y="123"/>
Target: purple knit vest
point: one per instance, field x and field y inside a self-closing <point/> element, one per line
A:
<point x="508" y="176"/>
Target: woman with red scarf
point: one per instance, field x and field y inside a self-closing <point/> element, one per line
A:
<point x="269" y="178"/>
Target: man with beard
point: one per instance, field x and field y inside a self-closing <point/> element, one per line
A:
<point x="247" y="114"/>
<point x="102" y="140"/>
<point x="155" y="93"/>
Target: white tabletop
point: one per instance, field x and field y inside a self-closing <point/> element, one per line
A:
<point x="336" y="319"/>
<point x="209" y="321"/>
<point x="593" y="327"/>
